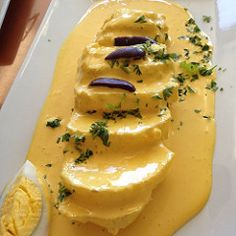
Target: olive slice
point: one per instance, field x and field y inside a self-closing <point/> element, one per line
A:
<point x="113" y="83"/>
<point x="128" y="53"/>
<point x="128" y="41"/>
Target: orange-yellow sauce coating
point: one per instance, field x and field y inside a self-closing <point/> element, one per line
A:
<point x="191" y="137"/>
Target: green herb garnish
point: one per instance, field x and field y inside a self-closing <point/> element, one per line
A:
<point x="159" y="54"/>
<point x="84" y="156"/>
<point x="118" y="114"/>
<point x="204" y="71"/>
<point x="167" y="92"/>
<point x="141" y="20"/>
<point x="195" y="40"/>
<point x="197" y="111"/>
<point x="139" y="81"/>
<point x="125" y="66"/>
<point x="205" y="47"/>
<point x="190" y="89"/>
<point x="206" y="117"/>
<point x="157" y="97"/>
<point x="190" y="68"/>
<point x="48" y="165"/>
<point x="212" y="86"/>
<point x="64" y="138"/>
<point x="63" y="192"/>
<point x="99" y="129"/>
<point x="53" y="123"/>
<point x="186" y="53"/>
<point x="136" y="69"/>
<point x="191" y="26"/>
<point x="79" y="139"/>
<point x="180" y="78"/>
<point x="206" y="19"/>
<point x="194" y="68"/>
<point x="90" y="112"/>
<point x="166" y="56"/>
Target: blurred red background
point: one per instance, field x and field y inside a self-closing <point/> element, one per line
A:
<point x="18" y="30"/>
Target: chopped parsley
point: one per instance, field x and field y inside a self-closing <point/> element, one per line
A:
<point x="63" y="192"/>
<point x="212" y="86"/>
<point x="84" y="156"/>
<point x="157" y="97"/>
<point x="53" y="123"/>
<point x="191" y="26"/>
<point x="197" y="111"/>
<point x="113" y="63"/>
<point x="206" y="19"/>
<point x="194" y="68"/>
<point x="194" y="77"/>
<point x="186" y="53"/>
<point x="190" y="68"/>
<point x="182" y="92"/>
<point x="141" y="20"/>
<point x="125" y="66"/>
<point x="158" y="55"/>
<point x="205" y="47"/>
<point x="118" y="106"/>
<point x="99" y="129"/>
<point x="195" y="40"/>
<point x="180" y="78"/>
<point x="167" y="92"/>
<point x="204" y="71"/>
<point x="139" y="81"/>
<point x="136" y="69"/>
<point x="190" y="89"/>
<point x="162" y="56"/>
<point x="119" y="114"/>
<point x="79" y="139"/>
<point x="64" y="138"/>
<point x="207" y="117"/>
<point x="90" y="112"/>
<point x="48" y="165"/>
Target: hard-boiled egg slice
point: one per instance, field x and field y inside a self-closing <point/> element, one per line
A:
<point x="23" y="208"/>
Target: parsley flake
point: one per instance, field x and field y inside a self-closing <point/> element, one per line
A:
<point x="206" y="19"/>
<point x="120" y="114"/>
<point x="64" y="138"/>
<point x="53" y="123"/>
<point x="63" y="192"/>
<point x="191" y="26"/>
<point x="141" y="20"/>
<point x="167" y="92"/>
<point x="197" y="111"/>
<point x="84" y="156"/>
<point x="212" y="86"/>
<point x="99" y="129"/>
<point x="48" y="165"/>
<point x="136" y="69"/>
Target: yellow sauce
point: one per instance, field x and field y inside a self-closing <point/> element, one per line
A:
<point x="190" y="136"/>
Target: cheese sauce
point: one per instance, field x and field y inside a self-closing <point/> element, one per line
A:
<point x="191" y="130"/>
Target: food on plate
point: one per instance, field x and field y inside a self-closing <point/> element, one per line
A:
<point x="125" y="141"/>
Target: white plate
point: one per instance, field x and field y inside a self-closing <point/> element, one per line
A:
<point x="24" y="102"/>
<point x="3" y="9"/>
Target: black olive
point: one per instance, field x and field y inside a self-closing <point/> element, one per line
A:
<point x="128" y="52"/>
<point x="113" y="83"/>
<point x="127" y="41"/>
